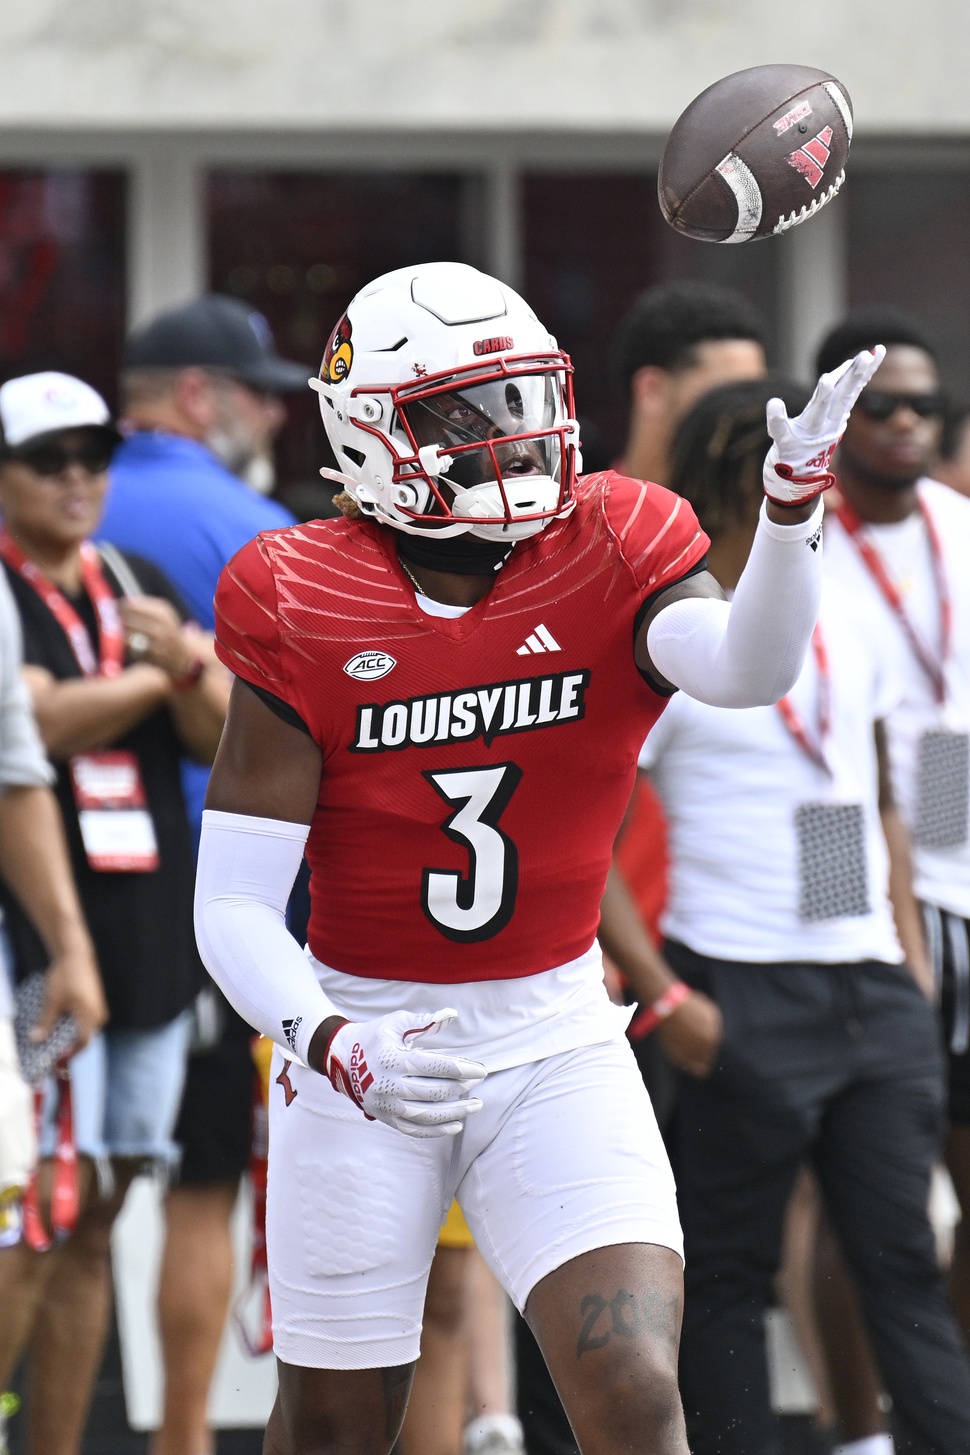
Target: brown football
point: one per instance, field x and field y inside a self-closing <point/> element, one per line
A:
<point x="756" y="154"/>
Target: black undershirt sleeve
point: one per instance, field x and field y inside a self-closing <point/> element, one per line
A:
<point x="282" y="709"/>
<point x="645" y="607"/>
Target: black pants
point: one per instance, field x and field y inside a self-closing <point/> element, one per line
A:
<point x="839" y="1066"/>
<point x="948" y="938"/>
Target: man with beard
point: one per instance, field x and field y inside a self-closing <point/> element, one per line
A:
<point x="901" y="539"/>
<point x="201" y="389"/>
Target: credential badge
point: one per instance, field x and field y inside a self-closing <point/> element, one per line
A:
<point x="369" y="666"/>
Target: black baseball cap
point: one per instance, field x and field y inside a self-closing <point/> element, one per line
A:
<point x="214" y="332"/>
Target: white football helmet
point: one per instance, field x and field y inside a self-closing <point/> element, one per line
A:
<point x="449" y="406"/>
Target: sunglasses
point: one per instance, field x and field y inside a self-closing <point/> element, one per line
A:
<point x="51" y="457"/>
<point x="880" y="404"/>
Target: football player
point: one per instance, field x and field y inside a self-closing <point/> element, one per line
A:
<point x="447" y="1032"/>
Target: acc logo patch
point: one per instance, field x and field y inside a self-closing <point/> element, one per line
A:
<point x="369" y="666"/>
<point x="339" y="354"/>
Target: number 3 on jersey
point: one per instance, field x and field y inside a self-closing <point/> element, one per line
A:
<point x="477" y="905"/>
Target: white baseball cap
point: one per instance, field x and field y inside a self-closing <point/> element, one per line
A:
<point x="36" y="404"/>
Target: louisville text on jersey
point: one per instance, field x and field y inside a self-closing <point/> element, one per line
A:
<point x="482" y="712"/>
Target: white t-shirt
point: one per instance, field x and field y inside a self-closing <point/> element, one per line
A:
<point x="743" y="799"/>
<point x="942" y="876"/>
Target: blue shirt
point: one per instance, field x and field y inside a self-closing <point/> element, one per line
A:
<point x="171" y="501"/>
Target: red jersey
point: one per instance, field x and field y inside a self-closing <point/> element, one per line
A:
<point x="475" y="770"/>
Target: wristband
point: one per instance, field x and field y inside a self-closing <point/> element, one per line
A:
<point x="189" y="678"/>
<point x="325" y="1058"/>
<point x="648" y="1020"/>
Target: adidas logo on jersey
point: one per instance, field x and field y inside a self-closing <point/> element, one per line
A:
<point x="484" y="712"/>
<point x="290" y="1028"/>
<point x="541" y="640"/>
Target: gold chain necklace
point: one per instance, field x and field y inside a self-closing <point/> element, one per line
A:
<point x="411" y="576"/>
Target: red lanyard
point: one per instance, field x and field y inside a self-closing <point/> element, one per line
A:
<point x="257" y="1336"/>
<point x="65" y="1185"/>
<point x="933" y="666"/>
<point x="792" y="719"/>
<point x="92" y="579"/>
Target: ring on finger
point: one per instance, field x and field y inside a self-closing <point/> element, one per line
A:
<point x="138" y="644"/>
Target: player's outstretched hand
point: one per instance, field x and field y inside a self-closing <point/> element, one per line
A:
<point x="797" y="465"/>
<point x="381" y="1066"/>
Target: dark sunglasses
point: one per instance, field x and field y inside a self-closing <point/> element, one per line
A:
<point x="880" y="404"/>
<point x="51" y="457"/>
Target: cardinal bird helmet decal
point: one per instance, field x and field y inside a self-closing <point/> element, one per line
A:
<point x="339" y="354"/>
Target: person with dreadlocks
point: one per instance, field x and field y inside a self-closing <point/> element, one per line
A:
<point x="790" y="907"/>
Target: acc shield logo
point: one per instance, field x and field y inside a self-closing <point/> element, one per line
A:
<point x="339" y="354"/>
<point x="369" y="666"/>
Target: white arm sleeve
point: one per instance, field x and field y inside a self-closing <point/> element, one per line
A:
<point x="246" y="871"/>
<point x="749" y="652"/>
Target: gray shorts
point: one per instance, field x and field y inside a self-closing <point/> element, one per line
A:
<point x="126" y="1086"/>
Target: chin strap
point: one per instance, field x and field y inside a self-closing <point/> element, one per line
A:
<point x="464" y="554"/>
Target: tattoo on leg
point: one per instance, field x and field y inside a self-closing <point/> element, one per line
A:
<point x="625" y="1315"/>
<point x="397" y="1387"/>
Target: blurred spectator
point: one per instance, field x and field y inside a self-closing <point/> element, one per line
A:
<point x="200" y="391"/>
<point x="900" y="540"/>
<point x="790" y="879"/>
<point x="34" y="864"/>
<point x="678" y="341"/>
<point x="121" y="689"/>
<point x="953" y="464"/>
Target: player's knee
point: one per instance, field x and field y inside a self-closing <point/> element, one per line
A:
<point x="637" y="1405"/>
<point x="643" y="1413"/>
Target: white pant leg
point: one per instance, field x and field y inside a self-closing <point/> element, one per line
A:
<point x="565" y="1156"/>
<point x="352" y="1217"/>
<point x="575" y="1161"/>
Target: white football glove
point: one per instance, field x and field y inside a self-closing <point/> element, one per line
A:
<point x="423" y="1093"/>
<point x="797" y="465"/>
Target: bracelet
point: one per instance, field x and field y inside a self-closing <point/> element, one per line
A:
<point x="189" y="678"/>
<point x="649" y="1019"/>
